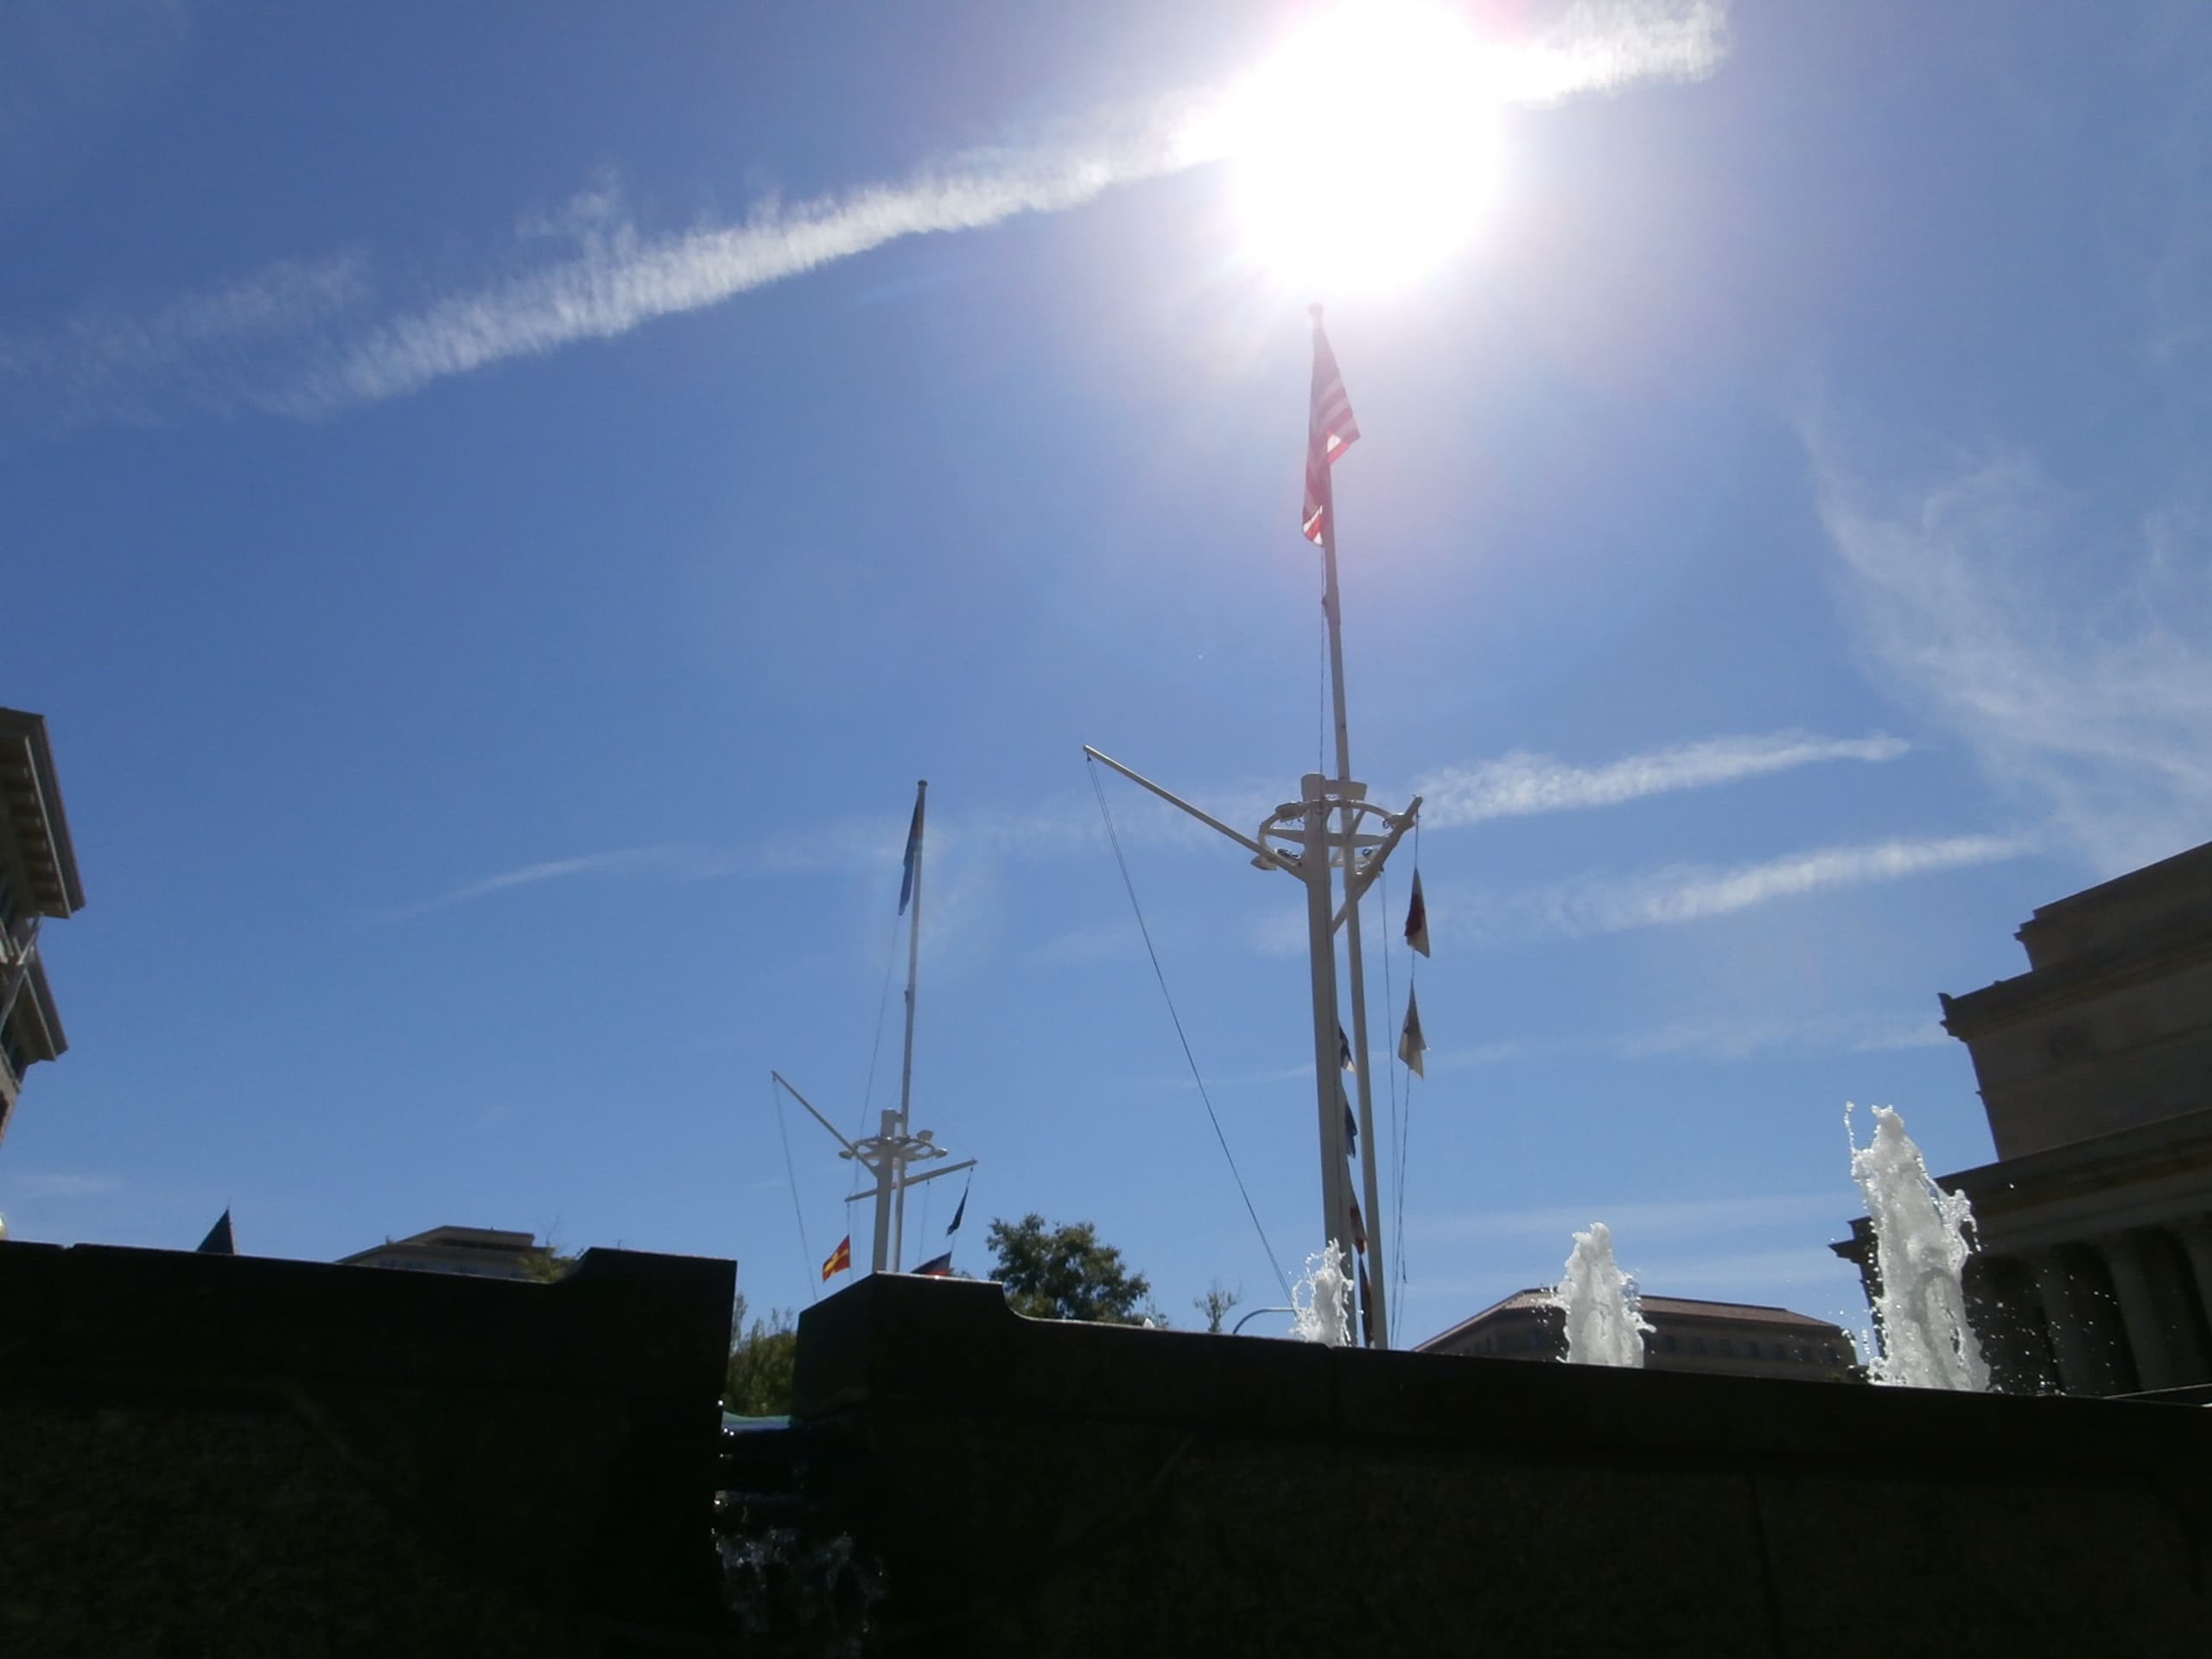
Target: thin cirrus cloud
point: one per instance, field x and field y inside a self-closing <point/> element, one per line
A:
<point x="1676" y="894"/>
<point x="1515" y="785"/>
<point x="680" y="861"/>
<point x="292" y="339"/>
<point x="2068" y="651"/>
<point x="1520" y="783"/>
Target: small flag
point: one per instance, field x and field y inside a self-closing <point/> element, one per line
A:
<point x="1343" y="1050"/>
<point x="914" y="864"/>
<point x="220" y="1241"/>
<point x="1417" y="919"/>
<point x="1351" y="1124"/>
<point x="841" y="1259"/>
<point x="1411" y="1044"/>
<point x="937" y="1267"/>
<point x="1330" y="431"/>
<point x="959" y="1210"/>
<point x="1358" y="1234"/>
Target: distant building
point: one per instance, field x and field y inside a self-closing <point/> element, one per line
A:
<point x="2094" y="1272"/>
<point x="1716" y="1339"/>
<point x="38" y="880"/>
<point x="474" y="1252"/>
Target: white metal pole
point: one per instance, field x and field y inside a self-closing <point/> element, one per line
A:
<point x="906" y="1065"/>
<point x="1332" y="611"/>
<point x="1321" y="944"/>
<point x="886" y="1178"/>
<point x="1371" y="1203"/>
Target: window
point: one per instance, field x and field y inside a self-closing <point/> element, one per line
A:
<point x="1697" y="1346"/>
<point x="1666" y="1342"/>
<point x="1727" y="1349"/>
<point x="1829" y="1354"/>
<point x="1751" y="1349"/>
<point x="1804" y="1355"/>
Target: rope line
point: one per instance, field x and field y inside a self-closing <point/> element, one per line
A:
<point x="1114" y="837"/>
<point x="875" y="1051"/>
<point x="790" y="1176"/>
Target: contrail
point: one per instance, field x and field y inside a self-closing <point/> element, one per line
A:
<point x="285" y="342"/>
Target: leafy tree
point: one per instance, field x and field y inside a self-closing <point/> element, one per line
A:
<point x="762" y="1361"/>
<point x="1060" y="1271"/>
<point x="1216" y="1303"/>
<point x="550" y="1260"/>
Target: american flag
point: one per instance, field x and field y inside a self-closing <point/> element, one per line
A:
<point x="1330" y="432"/>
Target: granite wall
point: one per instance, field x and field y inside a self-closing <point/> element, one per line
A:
<point x="204" y="1454"/>
<point x="1018" y="1487"/>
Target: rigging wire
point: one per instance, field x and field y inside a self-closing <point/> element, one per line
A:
<point x="1114" y="837"/>
<point x="790" y="1176"/>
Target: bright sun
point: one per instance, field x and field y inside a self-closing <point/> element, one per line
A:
<point x="1364" y="151"/>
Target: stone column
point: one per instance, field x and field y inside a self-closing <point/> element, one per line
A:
<point x="2157" y="1365"/>
<point x="2083" y="1368"/>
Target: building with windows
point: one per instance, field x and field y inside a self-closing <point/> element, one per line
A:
<point x="2094" y="1224"/>
<point x="1715" y="1339"/>
<point x="38" y="882"/>
<point x="472" y="1252"/>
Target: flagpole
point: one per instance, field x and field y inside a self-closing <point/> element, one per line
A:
<point x="1332" y="611"/>
<point x="1301" y="838"/>
<point x="1371" y="1205"/>
<point x="906" y="1063"/>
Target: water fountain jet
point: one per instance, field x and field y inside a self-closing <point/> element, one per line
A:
<point x="1598" y="1303"/>
<point x="1921" y="1246"/>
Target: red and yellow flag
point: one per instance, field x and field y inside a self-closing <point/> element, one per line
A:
<point x="841" y="1259"/>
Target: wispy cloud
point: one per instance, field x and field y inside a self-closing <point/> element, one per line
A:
<point x="215" y="352"/>
<point x="1689" y="892"/>
<point x="1598" y="47"/>
<point x="54" y="1185"/>
<point x="204" y="350"/>
<point x="1520" y="783"/>
<point x="628" y="861"/>
<point x="2072" y="655"/>
<point x="1723" y="1037"/>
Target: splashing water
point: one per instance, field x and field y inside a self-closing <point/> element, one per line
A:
<point x="1599" y="1302"/>
<point x="1322" y="1300"/>
<point x="1921" y="1248"/>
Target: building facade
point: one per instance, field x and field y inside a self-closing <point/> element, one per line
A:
<point x="2094" y="1274"/>
<point x="472" y="1252"/>
<point x="38" y="883"/>
<point x="1715" y="1339"/>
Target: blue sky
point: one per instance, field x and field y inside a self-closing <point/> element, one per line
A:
<point x="502" y="508"/>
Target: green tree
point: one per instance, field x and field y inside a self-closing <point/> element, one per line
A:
<point x="1060" y="1271"/>
<point x="1216" y="1303"/>
<point x="762" y="1362"/>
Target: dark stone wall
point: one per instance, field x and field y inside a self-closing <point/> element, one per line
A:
<point x="204" y="1454"/>
<point x="1031" y="1488"/>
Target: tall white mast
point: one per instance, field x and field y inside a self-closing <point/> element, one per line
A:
<point x="887" y="1152"/>
<point x="913" y="969"/>
<point x="1300" y="839"/>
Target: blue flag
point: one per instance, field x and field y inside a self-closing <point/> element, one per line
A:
<point x="914" y="852"/>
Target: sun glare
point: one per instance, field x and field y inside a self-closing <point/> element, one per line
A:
<point x="1364" y="152"/>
